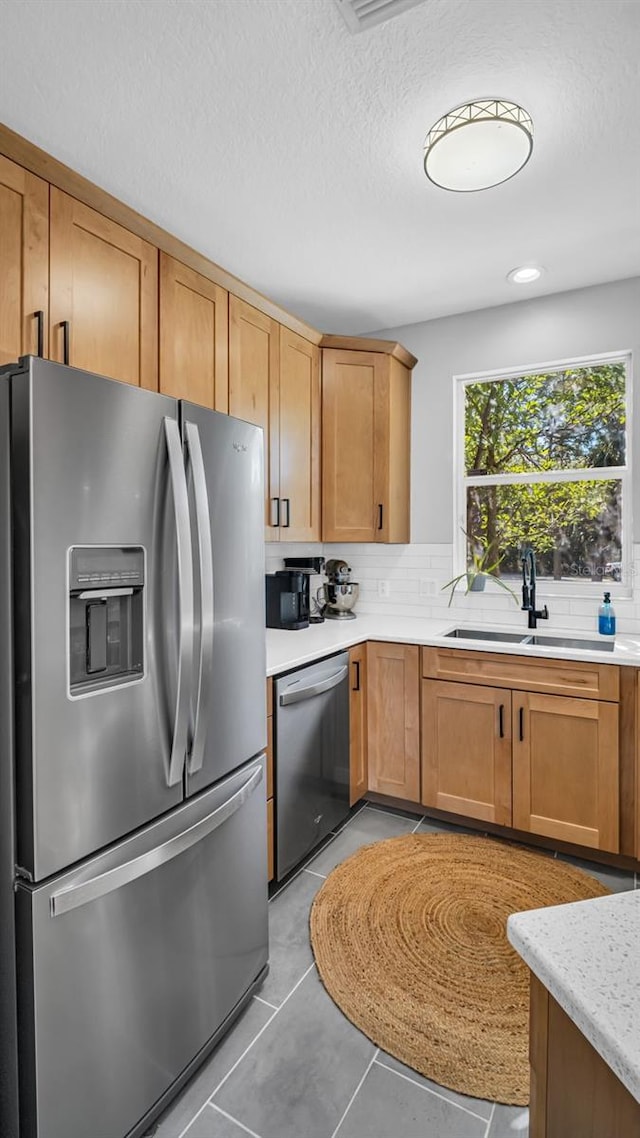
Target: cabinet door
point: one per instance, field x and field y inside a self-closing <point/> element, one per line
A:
<point x="299" y="438"/>
<point x="393" y="719"/>
<point x="466" y="750"/>
<point x="565" y="769"/>
<point x="350" y="511"/>
<point x="358" y="779"/>
<point x="393" y="452"/>
<point x="254" y="362"/>
<point x="104" y="289"/>
<point x="24" y="262"/>
<point x="194" y="336"/>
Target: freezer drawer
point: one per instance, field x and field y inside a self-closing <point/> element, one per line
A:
<point x="312" y="757"/>
<point x="130" y="963"/>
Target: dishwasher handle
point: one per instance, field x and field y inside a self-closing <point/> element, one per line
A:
<point x="315" y="689"/>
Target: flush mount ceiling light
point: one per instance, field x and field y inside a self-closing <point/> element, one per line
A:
<point x="527" y="274"/>
<point x="478" y="145"/>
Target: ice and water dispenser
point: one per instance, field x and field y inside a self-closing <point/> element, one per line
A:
<point x="106" y="617"/>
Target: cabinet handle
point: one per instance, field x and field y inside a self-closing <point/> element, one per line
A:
<point x="501" y="720"/>
<point x="356" y="664"/>
<point x="285" y="525"/>
<point x="275" y="508"/>
<point x="380" y="515"/>
<point x="66" y="338"/>
<point x="39" y="315"/>
<point x="521" y="723"/>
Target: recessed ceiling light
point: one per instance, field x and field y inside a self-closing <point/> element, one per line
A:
<point x="525" y="275"/>
<point x="478" y="145"/>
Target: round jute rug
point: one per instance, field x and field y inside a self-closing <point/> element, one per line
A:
<point x="409" y="936"/>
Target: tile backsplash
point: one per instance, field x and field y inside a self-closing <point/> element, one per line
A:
<point x="413" y="576"/>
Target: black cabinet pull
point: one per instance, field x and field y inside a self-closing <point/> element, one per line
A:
<point x="275" y="502"/>
<point x="501" y="720"/>
<point x="66" y="337"/>
<point x="380" y="515"/>
<point x="356" y="664"/>
<point x="39" y="315"/>
<point x="521" y="718"/>
<point x="285" y="525"/>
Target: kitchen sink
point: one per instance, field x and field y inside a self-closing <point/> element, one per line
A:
<point x="532" y="638"/>
<point x="571" y="642"/>
<point x="487" y="634"/>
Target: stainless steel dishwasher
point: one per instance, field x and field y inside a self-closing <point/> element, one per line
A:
<point x="312" y="757"/>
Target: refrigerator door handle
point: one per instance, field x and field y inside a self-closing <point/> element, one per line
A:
<point x="86" y="891"/>
<point x="315" y="689"/>
<point x="203" y="522"/>
<point x="185" y="589"/>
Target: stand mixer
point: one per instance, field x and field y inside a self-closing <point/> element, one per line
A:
<point x="338" y="597"/>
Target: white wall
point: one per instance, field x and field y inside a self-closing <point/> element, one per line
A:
<point x="586" y="321"/>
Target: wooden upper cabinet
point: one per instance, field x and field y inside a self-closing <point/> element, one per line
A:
<point x="194" y="336"/>
<point x="274" y="381"/>
<point x="24" y="262"/>
<point x="358" y="773"/>
<point x="565" y="769"/>
<point x="103" y="295"/>
<point x="254" y="382"/>
<point x="366" y="426"/>
<point x="466" y="750"/>
<point x="299" y="410"/>
<point x="393" y="719"/>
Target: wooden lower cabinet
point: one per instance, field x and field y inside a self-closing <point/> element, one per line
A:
<point x="393" y="719"/>
<point x="466" y="750"/>
<point x="565" y="769"/>
<point x="574" y="1093"/>
<point x="358" y="767"/>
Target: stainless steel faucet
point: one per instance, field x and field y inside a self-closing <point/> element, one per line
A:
<point x="529" y="589"/>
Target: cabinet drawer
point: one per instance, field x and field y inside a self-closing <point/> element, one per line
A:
<point x="557" y="677"/>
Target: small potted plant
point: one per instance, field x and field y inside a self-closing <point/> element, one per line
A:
<point x="475" y="575"/>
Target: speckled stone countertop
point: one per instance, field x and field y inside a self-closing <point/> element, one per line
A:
<point x="588" y="956"/>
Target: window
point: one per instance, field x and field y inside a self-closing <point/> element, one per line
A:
<point x="543" y="461"/>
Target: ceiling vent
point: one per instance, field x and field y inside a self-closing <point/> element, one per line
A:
<point x="359" y="15"/>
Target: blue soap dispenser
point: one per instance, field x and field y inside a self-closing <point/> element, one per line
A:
<point x="606" y="617"/>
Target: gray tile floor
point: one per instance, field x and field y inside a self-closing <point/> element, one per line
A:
<point x="294" y="1067"/>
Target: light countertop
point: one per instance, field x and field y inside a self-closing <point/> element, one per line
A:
<point x="587" y="955"/>
<point x="290" y="649"/>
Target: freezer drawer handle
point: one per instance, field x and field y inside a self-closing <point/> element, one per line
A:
<point x="316" y="689"/>
<point x="96" y="887"/>
<point x="185" y="589"/>
<point x="205" y="552"/>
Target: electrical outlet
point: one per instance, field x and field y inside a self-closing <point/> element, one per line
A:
<point x="383" y="589"/>
<point x="427" y="587"/>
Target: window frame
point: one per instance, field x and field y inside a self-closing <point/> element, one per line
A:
<point x="576" y="587"/>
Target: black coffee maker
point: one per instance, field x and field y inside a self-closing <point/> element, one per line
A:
<point x="287" y="599"/>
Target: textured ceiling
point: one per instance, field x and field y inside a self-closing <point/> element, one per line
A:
<point x="288" y="150"/>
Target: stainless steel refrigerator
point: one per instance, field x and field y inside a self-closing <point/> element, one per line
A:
<point x="133" y="902"/>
